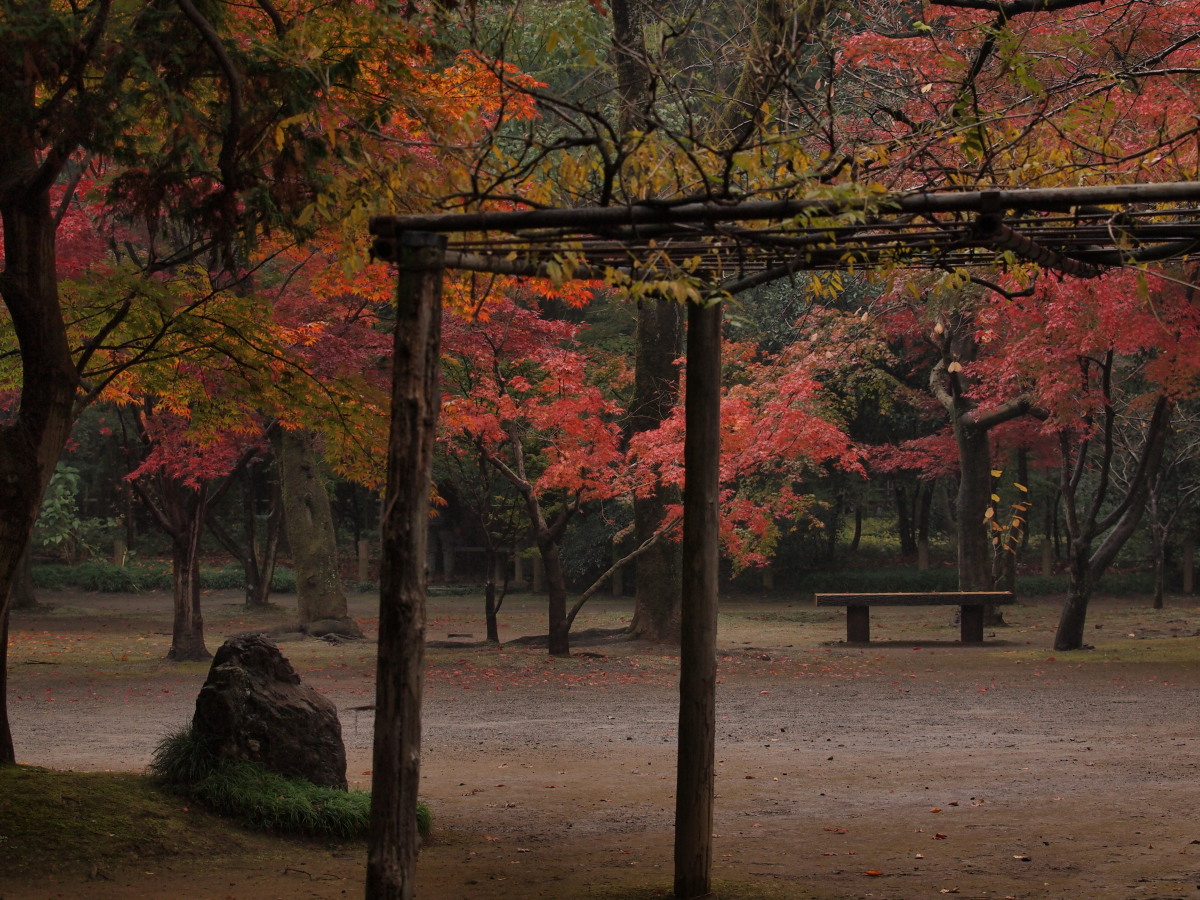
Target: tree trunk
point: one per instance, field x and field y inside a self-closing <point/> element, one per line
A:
<point x="180" y="512"/>
<point x="1074" y="612"/>
<point x="971" y="503"/>
<point x="556" y="588"/>
<point x="489" y="605"/>
<point x="904" y="520"/>
<point x="260" y="566"/>
<point x="1158" y="540"/>
<point x="309" y="522"/>
<point x="186" y="508"/>
<point x="32" y="441"/>
<point x="974" y="495"/>
<point x="659" y="342"/>
<point x="657" y="590"/>
<point x="23" y="596"/>
<point x="1088" y="564"/>
<point x="257" y="559"/>
<point x="8" y="756"/>
<point x="399" y="682"/>
<point x="1188" y="564"/>
<point x="924" y="512"/>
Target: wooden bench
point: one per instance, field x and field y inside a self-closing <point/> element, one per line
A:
<point x="970" y="604"/>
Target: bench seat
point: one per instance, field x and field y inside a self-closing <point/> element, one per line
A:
<point x="970" y="604"/>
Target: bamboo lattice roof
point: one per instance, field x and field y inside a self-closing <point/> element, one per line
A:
<point x="1077" y="231"/>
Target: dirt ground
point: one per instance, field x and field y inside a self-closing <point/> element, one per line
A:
<point x="909" y="768"/>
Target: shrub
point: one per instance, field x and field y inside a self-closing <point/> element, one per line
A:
<point x="231" y="577"/>
<point x="283" y="581"/>
<point x="241" y="790"/>
<point x="871" y="581"/>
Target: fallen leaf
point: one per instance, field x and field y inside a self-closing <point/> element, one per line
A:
<point x="872" y="872"/>
<point x="939" y="837"/>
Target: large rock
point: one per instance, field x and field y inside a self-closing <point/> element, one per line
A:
<point x="254" y="707"/>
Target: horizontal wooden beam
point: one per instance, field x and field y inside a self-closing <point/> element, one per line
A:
<point x="595" y="219"/>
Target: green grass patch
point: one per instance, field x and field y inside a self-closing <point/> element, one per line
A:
<point x="77" y="821"/>
<point x="261" y="799"/>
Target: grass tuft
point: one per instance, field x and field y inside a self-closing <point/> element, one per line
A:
<point x="259" y="798"/>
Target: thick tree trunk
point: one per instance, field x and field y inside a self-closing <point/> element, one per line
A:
<point x="23" y="596"/>
<point x="1073" y="618"/>
<point x="974" y="495"/>
<point x="657" y="590"/>
<point x="971" y="503"/>
<point x="556" y="589"/>
<point x="31" y="441"/>
<point x="396" y="753"/>
<point x="309" y="522"/>
<point x="659" y="342"/>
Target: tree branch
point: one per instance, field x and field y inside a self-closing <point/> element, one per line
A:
<point x="667" y="526"/>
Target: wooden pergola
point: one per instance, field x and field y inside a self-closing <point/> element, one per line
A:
<point x="728" y="248"/>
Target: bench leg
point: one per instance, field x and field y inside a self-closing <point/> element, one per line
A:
<point x="971" y="618"/>
<point x="858" y="624"/>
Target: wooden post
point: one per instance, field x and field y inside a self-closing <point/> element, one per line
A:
<point x="971" y="624"/>
<point x="858" y="624"/>
<point x="1189" y="564"/>
<point x="698" y="625"/>
<point x="393" y="840"/>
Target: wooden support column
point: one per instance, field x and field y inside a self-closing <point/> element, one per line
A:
<point x="858" y="624"/>
<point x="393" y="840"/>
<point x="698" y="625"/>
<point x="971" y="624"/>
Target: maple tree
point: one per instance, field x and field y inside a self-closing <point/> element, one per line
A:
<point x="1098" y="355"/>
<point x="522" y="401"/>
<point x="178" y="481"/>
<point x="173" y="105"/>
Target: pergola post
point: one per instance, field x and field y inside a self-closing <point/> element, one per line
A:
<point x="393" y="841"/>
<point x="698" y="617"/>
